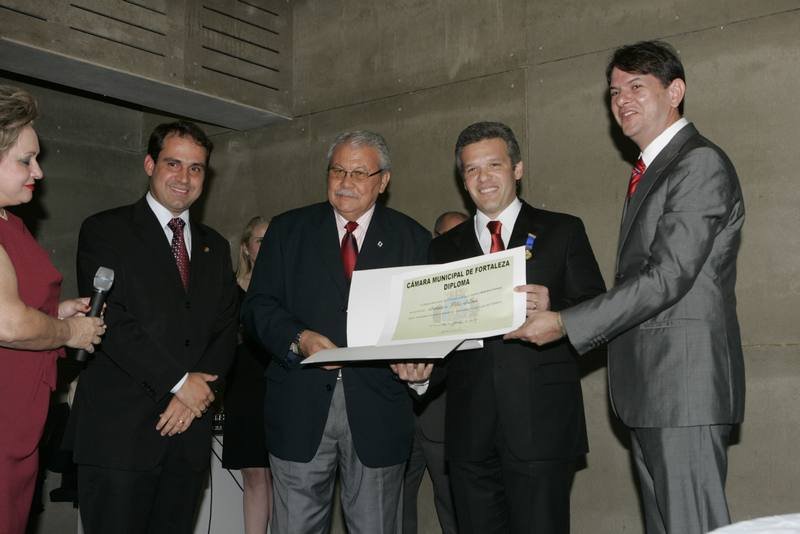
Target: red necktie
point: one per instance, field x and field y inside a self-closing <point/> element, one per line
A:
<point x="497" y="239"/>
<point x="636" y="175"/>
<point x="179" y="249"/>
<point x="349" y="249"/>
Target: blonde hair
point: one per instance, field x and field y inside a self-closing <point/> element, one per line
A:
<point x="245" y="265"/>
<point x="18" y="109"/>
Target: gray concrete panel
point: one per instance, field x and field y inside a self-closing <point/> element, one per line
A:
<point x="567" y="28"/>
<point x="574" y="166"/>
<point x="349" y="51"/>
<point x="261" y="172"/>
<point x="421" y="129"/>
<point x="764" y="473"/>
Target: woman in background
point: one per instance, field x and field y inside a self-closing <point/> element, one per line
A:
<point x="33" y="324"/>
<point x="244" y="447"/>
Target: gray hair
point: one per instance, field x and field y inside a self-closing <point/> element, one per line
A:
<point x="360" y="138"/>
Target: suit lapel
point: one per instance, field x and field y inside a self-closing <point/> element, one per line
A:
<point x="157" y="249"/>
<point x="526" y="224"/>
<point x="376" y="245"/>
<point x="329" y="248"/>
<point x="652" y="175"/>
<point x="466" y="241"/>
<point x="198" y="266"/>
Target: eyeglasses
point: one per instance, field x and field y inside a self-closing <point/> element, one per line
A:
<point x="358" y="175"/>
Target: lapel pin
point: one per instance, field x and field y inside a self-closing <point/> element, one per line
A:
<point x="380" y="244"/>
<point x="206" y="249"/>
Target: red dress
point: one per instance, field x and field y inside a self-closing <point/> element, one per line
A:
<point x="26" y="378"/>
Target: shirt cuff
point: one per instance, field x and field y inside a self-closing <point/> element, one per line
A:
<point x="419" y="387"/>
<point x="179" y="385"/>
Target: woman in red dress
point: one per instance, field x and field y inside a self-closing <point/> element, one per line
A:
<point x="33" y="324"/>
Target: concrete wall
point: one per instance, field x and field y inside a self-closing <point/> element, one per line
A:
<point x="420" y="71"/>
<point x="92" y="160"/>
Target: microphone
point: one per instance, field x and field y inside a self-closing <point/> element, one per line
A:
<point x="103" y="280"/>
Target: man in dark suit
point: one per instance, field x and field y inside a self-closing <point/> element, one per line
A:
<point x="356" y="418"/>
<point x="141" y="439"/>
<point x="515" y="421"/>
<point x="675" y="365"/>
<point x="427" y="452"/>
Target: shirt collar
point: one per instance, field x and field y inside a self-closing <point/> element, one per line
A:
<point x="163" y="214"/>
<point x="657" y="145"/>
<point x="508" y="217"/>
<point x="363" y="221"/>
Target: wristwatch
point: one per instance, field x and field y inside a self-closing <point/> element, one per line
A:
<point x="295" y="345"/>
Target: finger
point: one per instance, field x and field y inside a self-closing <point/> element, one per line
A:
<point x="402" y="371"/>
<point x="169" y="425"/>
<point x="181" y="423"/>
<point x="184" y="423"/>
<point x="426" y="370"/>
<point x="174" y="428"/>
<point x="426" y="373"/>
<point x="514" y="334"/>
<point x="162" y="420"/>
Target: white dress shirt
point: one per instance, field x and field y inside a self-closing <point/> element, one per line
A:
<point x="507" y="217"/>
<point x="164" y="216"/>
<point x="360" y="231"/>
<point x="657" y="145"/>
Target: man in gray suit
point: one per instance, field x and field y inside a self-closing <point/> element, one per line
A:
<point x="675" y="366"/>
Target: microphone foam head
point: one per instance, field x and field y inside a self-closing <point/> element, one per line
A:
<point x="103" y="279"/>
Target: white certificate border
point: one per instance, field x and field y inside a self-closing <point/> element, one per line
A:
<point x="516" y="254"/>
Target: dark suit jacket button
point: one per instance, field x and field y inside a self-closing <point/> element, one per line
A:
<point x="186" y="343"/>
<point x="188" y="304"/>
<point x="328" y="387"/>
<point x="618" y="276"/>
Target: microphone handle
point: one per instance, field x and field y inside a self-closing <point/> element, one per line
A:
<point x="98" y="299"/>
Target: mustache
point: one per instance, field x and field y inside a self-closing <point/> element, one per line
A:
<point x="342" y="192"/>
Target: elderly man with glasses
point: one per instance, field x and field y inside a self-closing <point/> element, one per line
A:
<point x="355" y="418"/>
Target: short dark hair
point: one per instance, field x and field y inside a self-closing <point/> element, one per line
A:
<point x="181" y="129"/>
<point x="649" y="57"/>
<point x="487" y="130"/>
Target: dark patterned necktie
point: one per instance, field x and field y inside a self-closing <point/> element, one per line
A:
<point x="497" y="239"/>
<point x="349" y="249"/>
<point x="179" y="249"/>
<point x="636" y="176"/>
